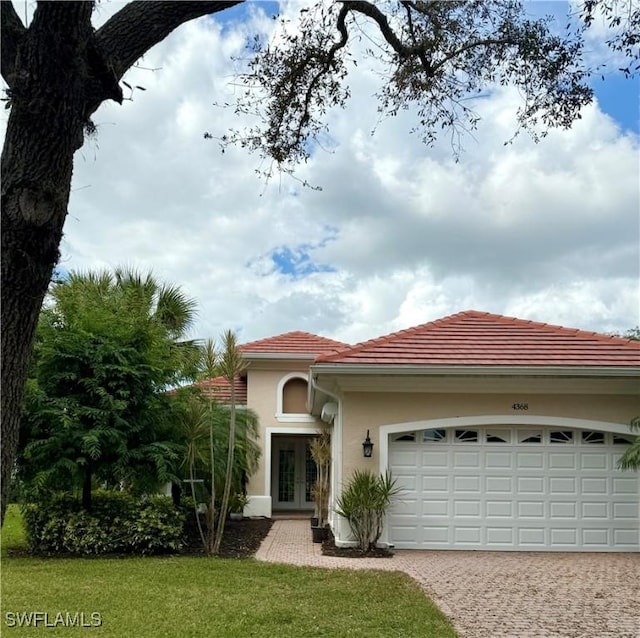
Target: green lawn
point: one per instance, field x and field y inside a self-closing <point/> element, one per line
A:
<point x="185" y="597"/>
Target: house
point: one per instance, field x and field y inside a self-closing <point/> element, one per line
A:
<point x="503" y="434"/>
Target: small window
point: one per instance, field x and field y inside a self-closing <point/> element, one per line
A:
<point x="530" y="436"/>
<point x="498" y="436"/>
<point x="561" y="436"/>
<point x="467" y="436"/>
<point x="434" y="436"/>
<point x="619" y="439"/>
<point x="405" y="436"/>
<point x="590" y="437"/>
<point x="294" y="396"/>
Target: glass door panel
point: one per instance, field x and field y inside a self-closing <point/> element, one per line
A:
<point x="293" y="473"/>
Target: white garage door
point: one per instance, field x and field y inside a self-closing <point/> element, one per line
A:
<point x="513" y="489"/>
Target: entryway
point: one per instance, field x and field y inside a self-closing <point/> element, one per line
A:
<point x="293" y="473"/>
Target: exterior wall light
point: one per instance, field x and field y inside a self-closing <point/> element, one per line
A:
<point x="367" y="447"/>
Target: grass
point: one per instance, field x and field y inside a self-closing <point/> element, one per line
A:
<point x="193" y="597"/>
<point x="12" y="535"/>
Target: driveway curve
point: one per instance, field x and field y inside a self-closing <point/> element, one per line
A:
<point x="499" y="594"/>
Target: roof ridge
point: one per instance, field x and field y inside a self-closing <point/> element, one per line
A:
<point x="358" y="347"/>
<point x="292" y="341"/>
<point x="475" y="322"/>
<point x="576" y="332"/>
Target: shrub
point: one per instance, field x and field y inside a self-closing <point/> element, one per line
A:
<point x="117" y="523"/>
<point x="364" y="503"/>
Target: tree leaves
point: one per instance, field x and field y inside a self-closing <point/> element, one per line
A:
<point x="437" y="56"/>
<point x="107" y="349"/>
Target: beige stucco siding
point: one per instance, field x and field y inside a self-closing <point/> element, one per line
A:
<point x="362" y="411"/>
<point x="262" y="398"/>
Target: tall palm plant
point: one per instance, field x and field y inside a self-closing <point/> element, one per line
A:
<point x="230" y="365"/>
<point x="201" y="419"/>
<point x="209" y="368"/>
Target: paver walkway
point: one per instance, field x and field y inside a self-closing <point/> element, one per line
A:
<point x="499" y="594"/>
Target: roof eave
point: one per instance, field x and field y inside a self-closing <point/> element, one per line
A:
<point x="302" y="356"/>
<point x="466" y="370"/>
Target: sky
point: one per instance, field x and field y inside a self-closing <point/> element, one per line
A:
<point x="399" y="234"/>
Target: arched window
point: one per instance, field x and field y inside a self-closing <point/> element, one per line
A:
<point x="294" y="397"/>
<point x="291" y="400"/>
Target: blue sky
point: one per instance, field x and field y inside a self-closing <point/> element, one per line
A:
<point x="620" y="98"/>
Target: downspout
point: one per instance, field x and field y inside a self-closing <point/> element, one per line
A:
<point x="336" y="452"/>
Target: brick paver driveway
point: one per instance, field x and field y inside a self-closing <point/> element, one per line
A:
<point x="500" y="594"/>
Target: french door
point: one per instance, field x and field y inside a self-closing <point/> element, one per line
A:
<point x="293" y="473"/>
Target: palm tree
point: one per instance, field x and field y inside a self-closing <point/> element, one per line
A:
<point x="201" y="420"/>
<point x="209" y="368"/>
<point x="630" y="460"/>
<point x="230" y="365"/>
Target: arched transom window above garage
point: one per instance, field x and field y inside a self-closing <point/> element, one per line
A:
<point x="291" y="399"/>
<point x="498" y="435"/>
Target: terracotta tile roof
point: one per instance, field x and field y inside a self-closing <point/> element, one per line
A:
<point x="483" y="339"/>
<point x="220" y="389"/>
<point x="297" y="343"/>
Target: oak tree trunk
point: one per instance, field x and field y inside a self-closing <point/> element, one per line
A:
<point x="44" y="130"/>
<point x="58" y="70"/>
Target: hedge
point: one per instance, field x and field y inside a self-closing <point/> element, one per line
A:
<point x="118" y="523"/>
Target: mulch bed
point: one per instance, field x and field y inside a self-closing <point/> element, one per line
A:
<point x="241" y="538"/>
<point x="329" y="548"/>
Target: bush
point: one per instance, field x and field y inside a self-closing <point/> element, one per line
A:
<point x="364" y="503"/>
<point x="117" y="524"/>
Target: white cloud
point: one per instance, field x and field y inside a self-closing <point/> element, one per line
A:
<point x="547" y="232"/>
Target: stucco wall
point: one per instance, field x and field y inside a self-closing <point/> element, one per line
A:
<point x="365" y="410"/>
<point x="262" y="393"/>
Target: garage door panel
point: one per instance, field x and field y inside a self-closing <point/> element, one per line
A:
<point x="407" y="507"/>
<point x="405" y="459"/>
<point x="530" y="485"/>
<point x="431" y="483"/>
<point x="499" y="508"/>
<point x="531" y="509"/>
<point x="562" y="461"/>
<point x="594" y="485"/>
<point x="498" y="460"/>
<point x="595" y="536"/>
<point x="469" y="484"/>
<point x="433" y="534"/>
<point x="531" y="536"/>
<point x="625" y="485"/>
<point x="594" y="461"/>
<point x="626" y="510"/>
<point x="500" y="536"/>
<point x="467" y="535"/>
<point x="564" y="485"/>
<point x="407" y="535"/>
<point x="529" y="460"/>
<point x="436" y="508"/>
<point x="466" y="508"/>
<point x="498" y="485"/>
<point x="626" y="537"/>
<point x="563" y="509"/>
<point x="435" y="459"/>
<point x="595" y="509"/>
<point x="464" y="460"/>
<point x="523" y="493"/>
<point x="560" y="536"/>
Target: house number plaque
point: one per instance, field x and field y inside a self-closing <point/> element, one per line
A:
<point x="520" y="406"/>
